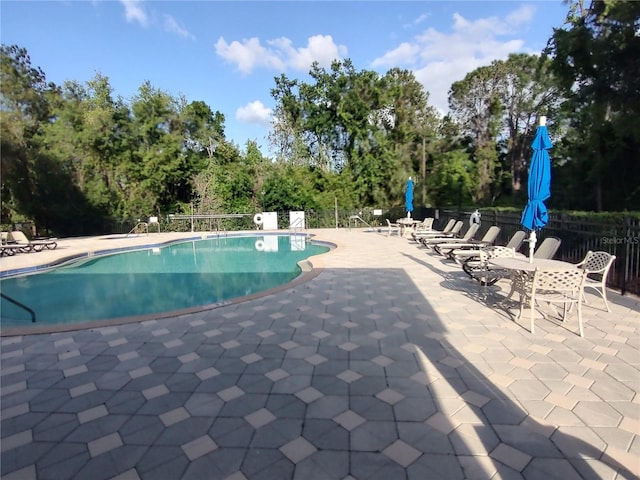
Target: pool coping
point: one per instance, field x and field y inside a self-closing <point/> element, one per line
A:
<point x="310" y="267"/>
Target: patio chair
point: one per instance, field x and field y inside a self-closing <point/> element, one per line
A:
<point x="597" y="265"/>
<point x="392" y="227"/>
<point x="457" y="243"/>
<point x="553" y="286"/>
<point x="478" y="268"/>
<point x="425" y="226"/>
<point x="460" y="255"/>
<point x="429" y="242"/>
<point x="27" y="245"/>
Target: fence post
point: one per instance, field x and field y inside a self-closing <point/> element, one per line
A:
<point x="627" y="246"/>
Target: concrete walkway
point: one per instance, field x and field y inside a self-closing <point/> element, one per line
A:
<point x="389" y="364"/>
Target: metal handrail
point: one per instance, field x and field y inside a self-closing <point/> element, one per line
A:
<point x="145" y="228"/>
<point x="298" y="224"/>
<point x="21" y="305"/>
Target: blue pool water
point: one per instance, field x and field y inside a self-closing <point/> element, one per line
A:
<point x="173" y="277"/>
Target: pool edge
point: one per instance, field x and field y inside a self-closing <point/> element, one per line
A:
<point x="314" y="266"/>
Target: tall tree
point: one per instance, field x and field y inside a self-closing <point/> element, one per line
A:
<point x="475" y="102"/>
<point x="528" y="91"/>
<point x="596" y="58"/>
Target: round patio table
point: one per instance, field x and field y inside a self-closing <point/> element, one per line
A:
<point x="523" y="264"/>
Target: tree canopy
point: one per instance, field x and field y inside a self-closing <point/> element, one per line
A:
<point x="77" y="157"/>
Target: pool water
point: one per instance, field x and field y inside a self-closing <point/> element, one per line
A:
<point x="173" y="277"/>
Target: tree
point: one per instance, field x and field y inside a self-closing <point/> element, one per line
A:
<point x="528" y="91"/>
<point x="35" y="184"/>
<point x="596" y="59"/>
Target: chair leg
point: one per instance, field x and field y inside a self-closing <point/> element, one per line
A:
<point x="580" y="319"/>
<point x="604" y="297"/>
<point x="532" y="306"/>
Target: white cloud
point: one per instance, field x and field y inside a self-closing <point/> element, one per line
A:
<point x="279" y="53"/>
<point x="521" y="16"/>
<point x="256" y="113"/>
<point x="438" y="59"/>
<point x="135" y="12"/>
<point x="248" y="54"/>
<point x="171" y="25"/>
<point x="404" y="54"/>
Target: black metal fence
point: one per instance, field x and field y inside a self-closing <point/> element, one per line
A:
<point x="579" y="234"/>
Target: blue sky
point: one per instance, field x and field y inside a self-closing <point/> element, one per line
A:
<point x="227" y="53"/>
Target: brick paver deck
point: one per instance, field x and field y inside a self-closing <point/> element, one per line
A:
<point x="390" y="364"/>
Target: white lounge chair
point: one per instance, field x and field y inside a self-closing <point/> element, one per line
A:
<point x="468" y="235"/>
<point x="461" y="255"/>
<point x="428" y="233"/>
<point x="27" y="245"/>
<point x="488" y="239"/>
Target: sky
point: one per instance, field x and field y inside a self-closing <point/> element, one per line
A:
<point x="227" y="53"/>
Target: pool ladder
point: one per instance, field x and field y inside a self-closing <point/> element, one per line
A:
<point x="297" y="226"/>
<point x="141" y="227"/>
<point x="21" y="305"/>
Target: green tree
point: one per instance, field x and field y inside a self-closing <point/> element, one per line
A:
<point x="35" y="184"/>
<point x="475" y="102"/>
<point x="596" y="59"/>
<point x="528" y="91"/>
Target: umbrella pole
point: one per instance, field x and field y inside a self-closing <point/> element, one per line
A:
<point x="532" y="244"/>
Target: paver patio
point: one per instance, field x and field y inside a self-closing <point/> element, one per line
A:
<point x="389" y="364"/>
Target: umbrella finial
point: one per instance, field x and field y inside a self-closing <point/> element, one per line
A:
<point x="543" y="120"/>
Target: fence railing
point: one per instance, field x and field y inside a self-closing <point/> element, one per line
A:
<point x="579" y="234"/>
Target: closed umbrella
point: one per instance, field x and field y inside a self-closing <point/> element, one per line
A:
<point x="408" y="198"/>
<point x="535" y="215"/>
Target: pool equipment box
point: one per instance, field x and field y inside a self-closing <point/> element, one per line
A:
<point x="270" y="220"/>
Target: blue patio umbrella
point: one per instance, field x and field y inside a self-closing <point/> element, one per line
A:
<point x="408" y="198"/>
<point x="535" y="215"/>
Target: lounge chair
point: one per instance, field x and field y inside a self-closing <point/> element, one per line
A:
<point x="468" y="236"/>
<point x="548" y="248"/>
<point x="27" y="245"/>
<point x="447" y="228"/>
<point x="10" y="250"/>
<point x="597" y="265"/>
<point x="461" y="255"/>
<point x="488" y="239"/>
<point x="454" y="232"/>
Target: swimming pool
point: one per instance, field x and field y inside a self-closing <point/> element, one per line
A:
<point x="171" y="278"/>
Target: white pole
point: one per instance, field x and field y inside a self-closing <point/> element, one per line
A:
<point x="532" y="245"/>
<point x="408" y="211"/>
